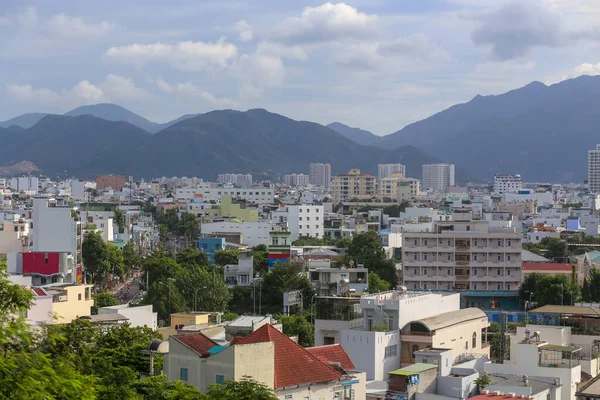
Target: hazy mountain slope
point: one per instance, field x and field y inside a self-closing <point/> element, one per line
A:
<point x="357" y="135"/>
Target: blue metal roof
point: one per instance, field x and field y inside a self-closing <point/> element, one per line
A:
<point x="490" y="293"/>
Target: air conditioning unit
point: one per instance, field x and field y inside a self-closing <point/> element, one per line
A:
<point x="62" y="298"/>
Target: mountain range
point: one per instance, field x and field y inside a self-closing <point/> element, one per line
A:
<point x="107" y="111"/>
<point x="541" y="132"/>
<point x="255" y="141"/>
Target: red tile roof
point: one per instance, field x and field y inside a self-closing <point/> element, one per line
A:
<point x="546" y="267"/>
<point x="197" y="342"/>
<point x="39" y="292"/>
<point x="332" y="354"/>
<point x="294" y="365"/>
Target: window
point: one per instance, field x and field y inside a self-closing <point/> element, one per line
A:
<point x="508" y="272"/>
<point x="499" y="243"/>
<point x="474" y="343"/>
<point x="449" y="272"/>
<point x="508" y="257"/>
<point x="317" y="218"/>
<point x="415" y="257"/>
<point x="299" y="218"/>
<point x="16" y="229"/>
<point x="474" y="257"/>
<point x="415" y="347"/>
<point x="449" y="257"/>
<point x="425" y="285"/>
<point x="425" y="243"/>
<point x="498" y="272"/>
<point x="288" y="397"/>
<point x="390" y="351"/>
<point x="45" y="258"/>
<point x="183" y="374"/>
<point x="424" y="257"/>
<point x="79" y="296"/>
<point x="317" y="227"/>
<point x="475" y="243"/>
<point x="474" y="271"/>
<point x="308" y="218"/>
<point x="299" y="210"/>
<point x="467" y="345"/>
<point x="499" y="257"/>
<point x="415" y="242"/>
<point x="299" y="226"/>
<point x="448" y="243"/>
<point x="498" y="286"/>
<point x="220" y="379"/>
<point x="425" y="271"/>
<point x="416" y="271"/>
<point x="508" y="243"/>
<point x="474" y="286"/>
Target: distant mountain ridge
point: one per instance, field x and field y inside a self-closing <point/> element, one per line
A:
<point x="357" y="135"/>
<point x="107" y="111"/>
<point x="255" y="141"/>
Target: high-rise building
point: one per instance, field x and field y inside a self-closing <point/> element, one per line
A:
<point x="507" y="183"/>
<point x="241" y="180"/>
<point x="299" y="180"/>
<point x="353" y="185"/>
<point x="386" y="170"/>
<point x="320" y="174"/>
<point x="438" y="177"/>
<point x="463" y="254"/>
<point x="594" y="170"/>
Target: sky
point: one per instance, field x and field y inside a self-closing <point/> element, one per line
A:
<point x="374" y="64"/>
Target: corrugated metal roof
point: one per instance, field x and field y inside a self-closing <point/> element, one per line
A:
<point x="573" y="310"/>
<point x="413" y="369"/>
<point x="528" y="256"/>
<point x="246" y="321"/>
<point x="451" y="318"/>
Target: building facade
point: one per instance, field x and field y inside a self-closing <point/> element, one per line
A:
<point x="594" y="170"/>
<point x="241" y="180"/>
<point x="299" y="180"/>
<point x="438" y="177"/>
<point x="115" y="182"/>
<point x="462" y="254"/>
<point x="507" y="183"/>
<point x="386" y="170"/>
<point x="353" y="185"/>
<point x="320" y="174"/>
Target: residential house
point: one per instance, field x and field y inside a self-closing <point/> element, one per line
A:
<point x="69" y="302"/>
<point x="210" y="246"/>
<point x="136" y="314"/>
<point x="353" y="185"/>
<point x="240" y="274"/>
<point x="269" y="357"/>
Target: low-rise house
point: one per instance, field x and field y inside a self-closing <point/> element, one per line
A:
<point x="240" y="274"/>
<point x="69" y="302"/>
<point x="246" y="324"/>
<point x="136" y="314"/>
<point x="270" y="357"/>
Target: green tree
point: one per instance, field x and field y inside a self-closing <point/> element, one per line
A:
<point x="95" y="257"/>
<point x="586" y="293"/>
<point x="555" y="247"/>
<point x="260" y="261"/>
<point x="483" y="381"/>
<point x="376" y="284"/>
<point x="226" y="257"/>
<point x="131" y="258"/>
<point x="284" y="277"/>
<point x="114" y="257"/>
<point x="26" y="372"/>
<point x="103" y="299"/>
<point x="243" y="389"/>
<point x="298" y="325"/>
<point x="203" y="290"/>
<point x="344" y="243"/>
<point x="119" y="219"/>
<point x="159" y="388"/>
<point x="193" y="256"/>
<point x="366" y="249"/>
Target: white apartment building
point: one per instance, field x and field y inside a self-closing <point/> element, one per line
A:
<point x="386" y="170"/>
<point x="594" y="170"/>
<point x="300" y="180"/>
<point x="242" y="180"/>
<point x="507" y="183"/>
<point x="438" y="177"/>
<point x="320" y="174"/>
<point x="301" y="220"/>
<point x="462" y="254"/>
<point x="137" y="315"/>
<point x="252" y="195"/>
<point x="352" y="322"/>
<point x="545" y="355"/>
<point x="53" y="228"/>
<point x="253" y="233"/>
<point x="25" y="184"/>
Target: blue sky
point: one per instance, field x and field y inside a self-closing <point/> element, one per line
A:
<point x="374" y="64"/>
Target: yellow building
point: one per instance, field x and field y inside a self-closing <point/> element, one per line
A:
<point x="192" y="318"/>
<point x="353" y="185"/>
<point x="230" y="209"/>
<point x="397" y="186"/>
<point x="70" y="301"/>
<point x="459" y="331"/>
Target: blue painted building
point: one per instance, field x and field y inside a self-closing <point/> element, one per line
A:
<point x="491" y="300"/>
<point x="210" y="246"/>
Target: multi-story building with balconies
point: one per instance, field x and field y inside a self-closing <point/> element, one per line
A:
<point x="463" y="254"/>
<point x="353" y="185"/>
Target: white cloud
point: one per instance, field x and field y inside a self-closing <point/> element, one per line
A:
<point x="112" y="88"/>
<point x="416" y="49"/>
<point x="75" y="27"/>
<point x="121" y="88"/>
<point x="186" y="55"/>
<point x="190" y="89"/>
<point x="4" y="21"/>
<point x="514" y="29"/>
<point x="587" y="69"/>
<point x="279" y="50"/>
<point x="244" y="30"/>
<point x="256" y="72"/>
<point x="28" y="18"/>
<point x="326" y="23"/>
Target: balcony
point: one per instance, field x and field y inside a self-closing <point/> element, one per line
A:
<point x="463" y="277"/>
<point x="462" y="262"/>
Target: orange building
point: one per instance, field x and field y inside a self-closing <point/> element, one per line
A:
<point x="115" y="182"/>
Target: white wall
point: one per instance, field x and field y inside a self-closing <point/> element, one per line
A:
<point x="366" y="349"/>
<point x="138" y="315"/>
<point x="253" y="233"/>
<point x="54" y="229"/>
